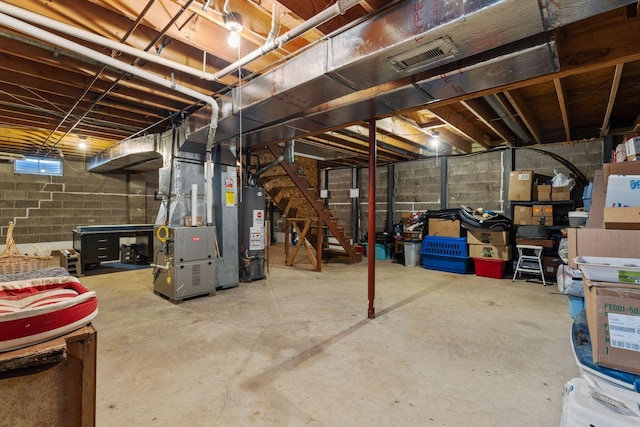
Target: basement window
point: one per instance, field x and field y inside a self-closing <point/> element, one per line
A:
<point x="38" y="166"/>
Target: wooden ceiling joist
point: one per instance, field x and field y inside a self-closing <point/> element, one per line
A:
<point x="522" y="109"/>
<point x="615" y="83"/>
<point x="449" y="116"/>
<point x="483" y="114"/>
<point x="562" y="101"/>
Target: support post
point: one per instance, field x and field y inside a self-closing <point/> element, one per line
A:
<point x="444" y="189"/>
<point x="391" y="198"/>
<point x="371" y="255"/>
<point x="355" y="205"/>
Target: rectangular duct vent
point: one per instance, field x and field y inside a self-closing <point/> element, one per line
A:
<point x="427" y="54"/>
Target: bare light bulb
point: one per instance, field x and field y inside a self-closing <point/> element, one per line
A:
<point x="234" y="39"/>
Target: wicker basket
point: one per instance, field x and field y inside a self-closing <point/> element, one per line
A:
<point x="12" y="261"/>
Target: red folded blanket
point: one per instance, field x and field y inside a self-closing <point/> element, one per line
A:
<point x="36" y="310"/>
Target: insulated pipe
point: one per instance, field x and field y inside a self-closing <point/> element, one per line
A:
<point x="100" y="40"/>
<point x="39" y="33"/>
<point x="105" y="59"/>
<point x="339" y="8"/>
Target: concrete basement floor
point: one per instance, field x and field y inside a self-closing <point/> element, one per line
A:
<point x="297" y="349"/>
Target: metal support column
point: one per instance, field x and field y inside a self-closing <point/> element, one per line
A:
<point x="509" y="165"/>
<point x="391" y="197"/>
<point x="371" y="253"/>
<point x="444" y="183"/>
<point x="355" y="205"/>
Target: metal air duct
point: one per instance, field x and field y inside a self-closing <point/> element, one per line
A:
<point x="408" y="39"/>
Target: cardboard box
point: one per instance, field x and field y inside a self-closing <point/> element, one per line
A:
<point x="542" y="210"/>
<point x="545" y="243"/>
<point x="444" y="227"/>
<point x="623" y="191"/>
<point x="496" y="238"/>
<point x="543" y="193"/>
<point x="490" y="251"/>
<point x="550" y="265"/>
<point x="560" y="193"/>
<point x="633" y="148"/>
<point x="596" y="213"/>
<point x="620" y="154"/>
<point x="624" y="168"/>
<point x="522" y="215"/>
<point x="520" y="185"/>
<point x="622" y="218"/>
<point x="542" y="220"/>
<point x="602" y="242"/>
<point x="613" y="316"/>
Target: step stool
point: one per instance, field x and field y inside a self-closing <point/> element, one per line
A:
<point x="529" y="262"/>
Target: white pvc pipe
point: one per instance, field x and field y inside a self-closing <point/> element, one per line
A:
<point x="208" y="190"/>
<point x="194" y="205"/>
<point x="339" y="8"/>
<point x="100" y="40"/>
<point x="47" y="36"/>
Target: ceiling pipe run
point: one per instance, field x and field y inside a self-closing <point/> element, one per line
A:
<point x="339" y="8"/>
<point x="271" y="44"/>
<point x="331" y="83"/>
<point x="100" y="40"/>
<point x="41" y="34"/>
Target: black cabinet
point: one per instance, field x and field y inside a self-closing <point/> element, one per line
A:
<point x="100" y="247"/>
<point x="98" y="244"/>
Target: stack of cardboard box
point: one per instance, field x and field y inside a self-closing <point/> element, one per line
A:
<point x="542" y="215"/>
<point x="613" y="317"/>
<point x="488" y="246"/>
<point x="613" y="231"/>
<point x="628" y="150"/>
<point x="527" y="186"/>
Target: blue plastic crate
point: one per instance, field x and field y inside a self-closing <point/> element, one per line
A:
<point x="445" y="246"/>
<point x="448" y="263"/>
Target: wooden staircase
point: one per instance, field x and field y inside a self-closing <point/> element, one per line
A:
<point x="297" y="198"/>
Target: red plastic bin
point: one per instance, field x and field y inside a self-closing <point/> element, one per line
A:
<point x="489" y="267"/>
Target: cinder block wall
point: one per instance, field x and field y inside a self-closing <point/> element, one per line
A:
<point x="587" y="156"/>
<point x="339" y="183"/>
<point x="47" y="209"/>
<point x="417" y="186"/>
<point x="478" y="180"/>
<point x="382" y="174"/>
